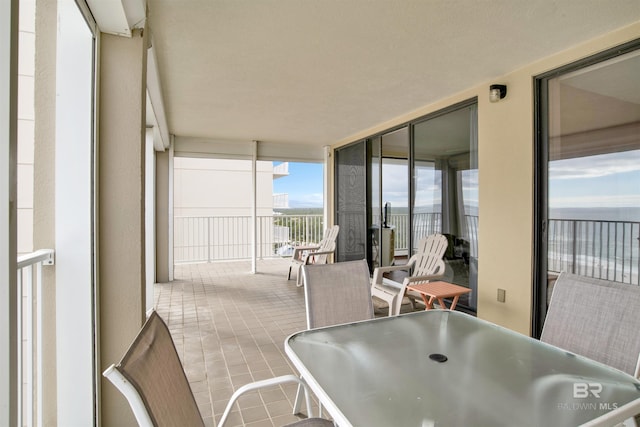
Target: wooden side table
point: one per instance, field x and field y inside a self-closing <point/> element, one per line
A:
<point x="439" y="291"/>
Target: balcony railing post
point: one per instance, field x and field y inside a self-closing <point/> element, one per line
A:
<point x="209" y="225"/>
<point x="573" y="245"/>
<point x="20" y="352"/>
<point x="39" y="339"/>
<point x="30" y="337"/>
<point x="259" y="238"/>
<point x="306" y="228"/>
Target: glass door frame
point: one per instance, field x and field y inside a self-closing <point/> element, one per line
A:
<point x="378" y="139"/>
<point x="541" y="178"/>
<point x="446" y="207"/>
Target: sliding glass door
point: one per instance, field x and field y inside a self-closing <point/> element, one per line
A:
<point x="351" y="201"/>
<point x="445" y="195"/>
<point x="588" y="202"/>
<point x="403" y="184"/>
<point x="389" y="220"/>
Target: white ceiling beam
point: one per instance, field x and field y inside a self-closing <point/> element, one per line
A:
<point x="119" y="17"/>
<point x="156" y="101"/>
<point x="270" y="151"/>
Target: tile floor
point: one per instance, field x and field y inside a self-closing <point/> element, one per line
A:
<point x="229" y="327"/>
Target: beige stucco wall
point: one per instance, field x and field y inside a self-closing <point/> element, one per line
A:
<point x="121" y="208"/>
<point x="44" y="187"/>
<point x="506" y="146"/>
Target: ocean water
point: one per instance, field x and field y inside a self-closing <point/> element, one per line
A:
<point x="599" y="213"/>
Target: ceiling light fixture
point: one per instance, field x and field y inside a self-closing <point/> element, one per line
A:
<point x="497" y="92"/>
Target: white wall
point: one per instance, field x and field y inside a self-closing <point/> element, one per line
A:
<point x="74" y="141"/>
<point x="220" y="187"/>
<point x="26" y="124"/>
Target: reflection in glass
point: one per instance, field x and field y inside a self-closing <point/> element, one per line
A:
<point x="391" y="226"/>
<point x="594" y="171"/>
<point x="373" y="244"/>
<point x="445" y="196"/>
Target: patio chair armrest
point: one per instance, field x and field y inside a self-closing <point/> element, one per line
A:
<point x="262" y="384"/>
<point x="414" y="279"/>
<point x="298" y="251"/>
<point x="389" y="284"/>
<point x="306" y="256"/>
<point x="322" y="252"/>
<point x="379" y="271"/>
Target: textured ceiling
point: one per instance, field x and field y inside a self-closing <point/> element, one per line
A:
<point x="317" y="71"/>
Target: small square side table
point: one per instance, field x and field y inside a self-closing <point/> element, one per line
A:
<point x="439" y="291"/>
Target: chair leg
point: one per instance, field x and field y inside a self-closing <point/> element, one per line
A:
<point x="299" y="277"/>
<point x="298" y="402"/>
<point x="289" y="276"/>
<point x="413" y="303"/>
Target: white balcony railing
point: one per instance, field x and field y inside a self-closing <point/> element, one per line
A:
<point x="30" y="335"/>
<point x="282" y="169"/>
<point x="207" y="239"/>
<point x="281" y="201"/>
<point x="596" y="248"/>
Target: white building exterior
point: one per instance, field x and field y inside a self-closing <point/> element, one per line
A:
<point x="221" y="187"/>
<point x="214" y="208"/>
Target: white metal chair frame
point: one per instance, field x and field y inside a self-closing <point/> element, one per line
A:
<point x="143" y="418"/>
<point x="427" y="265"/>
<point x="344" y="285"/>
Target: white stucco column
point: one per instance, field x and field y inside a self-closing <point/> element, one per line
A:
<point x="164" y="244"/>
<point x="327" y="170"/>
<point x="150" y="217"/>
<point x="254" y="205"/>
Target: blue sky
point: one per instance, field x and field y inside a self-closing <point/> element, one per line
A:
<point x="304" y="185"/>
<point x="607" y="180"/>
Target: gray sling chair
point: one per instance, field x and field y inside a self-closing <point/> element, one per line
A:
<point x="335" y="294"/>
<point x="597" y="319"/>
<point x="151" y="377"/>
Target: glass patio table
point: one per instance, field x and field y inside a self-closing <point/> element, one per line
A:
<point x="446" y="368"/>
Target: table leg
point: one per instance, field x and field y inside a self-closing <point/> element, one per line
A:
<point x="428" y="303"/>
<point x="454" y="302"/>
